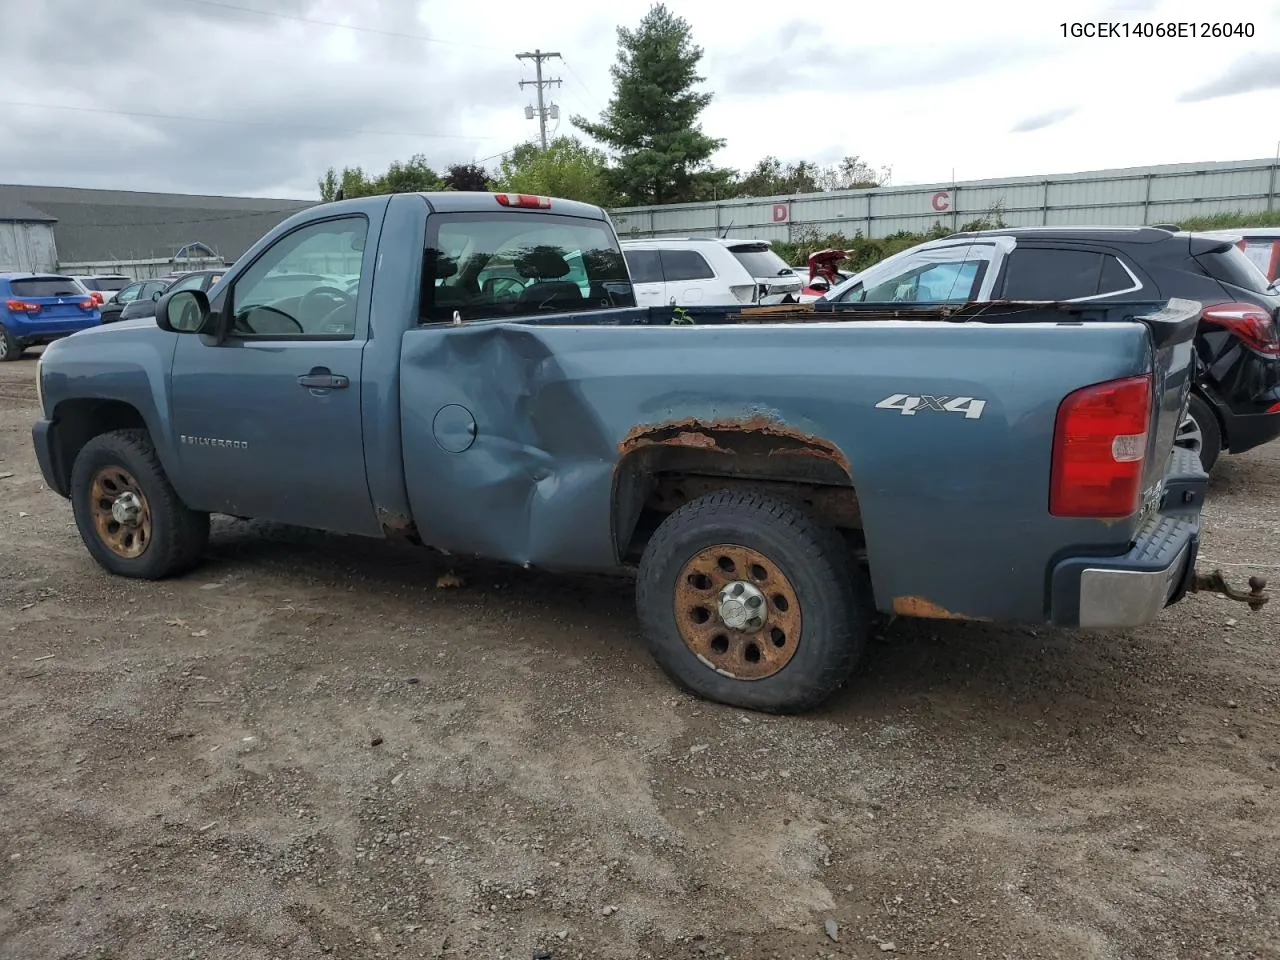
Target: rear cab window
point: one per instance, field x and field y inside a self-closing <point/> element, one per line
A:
<point x="511" y="263"/>
<point x="36" y="287"/>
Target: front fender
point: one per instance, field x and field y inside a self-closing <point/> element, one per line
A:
<point x="106" y="369"/>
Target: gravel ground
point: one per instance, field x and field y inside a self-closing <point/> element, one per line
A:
<point x="307" y="749"/>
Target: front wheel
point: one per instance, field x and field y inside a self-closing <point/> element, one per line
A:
<point x="128" y="514"/>
<point x="746" y="600"/>
<point x="1200" y="432"/>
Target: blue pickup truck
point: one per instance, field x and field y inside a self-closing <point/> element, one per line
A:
<point x="469" y="371"/>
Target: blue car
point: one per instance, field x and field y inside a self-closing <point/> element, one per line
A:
<point x="40" y="308"/>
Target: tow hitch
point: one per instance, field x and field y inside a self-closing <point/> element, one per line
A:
<point x="1216" y="583"/>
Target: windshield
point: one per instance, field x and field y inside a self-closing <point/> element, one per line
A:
<point x="510" y="264"/>
<point x="36" y="287"/>
<point x="760" y="261"/>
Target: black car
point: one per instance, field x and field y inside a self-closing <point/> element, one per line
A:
<point x="201" y="280"/>
<point x="1235" y="400"/>
<point x="138" y="290"/>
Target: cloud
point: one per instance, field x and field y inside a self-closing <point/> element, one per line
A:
<point x="1259" y="71"/>
<point x="823" y="68"/>
<point x="269" y="102"/>
<point x="1042" y="120"/>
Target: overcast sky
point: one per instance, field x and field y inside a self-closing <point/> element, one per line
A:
<point x="985" y="88"/>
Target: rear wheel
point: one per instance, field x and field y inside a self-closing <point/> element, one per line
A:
<point x="10" y="348"/>
<point x="127" y="512"/>
<point x="1199" y="431"/>
<point x="746" y="600"/>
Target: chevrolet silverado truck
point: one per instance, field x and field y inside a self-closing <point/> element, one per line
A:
<point x="470" y="372"/>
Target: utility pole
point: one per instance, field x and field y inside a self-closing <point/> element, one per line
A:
<point x="543" y="111"/>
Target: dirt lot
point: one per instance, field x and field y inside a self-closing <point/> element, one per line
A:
<point x="306" y="749"/>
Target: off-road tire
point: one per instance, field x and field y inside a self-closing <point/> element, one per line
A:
<point x="179" y="535"/>
<point x="834" y="594"/>
<point x="10" y="348"/>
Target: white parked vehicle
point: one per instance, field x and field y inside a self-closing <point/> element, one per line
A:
<point x="105" y="285"/>
<point x="706" y="271"/>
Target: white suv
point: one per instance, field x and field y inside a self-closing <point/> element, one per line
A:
<point x="706" y="271"/>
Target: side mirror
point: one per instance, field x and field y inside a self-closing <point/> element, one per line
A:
<point x="156" y="296"/>
<point x="184" y="311"/>
<point x="819" y="283"/>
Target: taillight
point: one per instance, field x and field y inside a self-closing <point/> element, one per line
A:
<point x="1099" y="443"/>
<point x="96" y="297"/>
<point x="1249" y="322"/>
<point x="90" y="304"/>
<point x="21" y="306"/>
<point x="744" y="292"/>
<point x="523" y="200"/>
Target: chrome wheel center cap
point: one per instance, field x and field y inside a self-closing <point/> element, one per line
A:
<point x="742" y="607"/>
<point x="126" y="509"/>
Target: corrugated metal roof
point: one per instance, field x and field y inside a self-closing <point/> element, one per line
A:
<point x="101" y="225"/>
<point x="12" y="208"/>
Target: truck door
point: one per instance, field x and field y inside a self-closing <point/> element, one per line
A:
<point x="267" y="423"/>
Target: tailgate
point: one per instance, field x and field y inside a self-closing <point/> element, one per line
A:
<point x="1172" y="331"/>
<point x="49" y="298"/>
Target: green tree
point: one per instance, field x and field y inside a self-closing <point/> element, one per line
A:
<point x="411" y="177"/>
<point x="771" y="177"/>
<point x="466" y="176"/>
<point x="851" y="173"/>
<point x="567" y="168"/>
<point x="651" y="121"/>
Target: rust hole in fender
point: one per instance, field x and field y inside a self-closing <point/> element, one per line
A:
<point x="923" y="607"/>
<point x="749" y="435"/>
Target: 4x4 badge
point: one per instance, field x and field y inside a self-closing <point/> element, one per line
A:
<point x="909" y="406"/>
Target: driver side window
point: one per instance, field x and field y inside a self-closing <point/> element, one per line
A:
<point x="304" y="286"/>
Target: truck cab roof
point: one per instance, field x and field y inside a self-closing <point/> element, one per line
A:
<point x="475" y="201"/>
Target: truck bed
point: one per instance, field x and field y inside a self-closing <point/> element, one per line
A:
<point x="545" y="421"/>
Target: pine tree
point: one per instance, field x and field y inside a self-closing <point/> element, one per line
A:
<point x="652" y="119"/>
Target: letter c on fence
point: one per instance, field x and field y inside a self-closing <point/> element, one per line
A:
<point x="941" y="200"/>
<point x="781" y="213"/>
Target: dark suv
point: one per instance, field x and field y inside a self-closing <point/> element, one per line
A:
<point x="1235" y="403"/>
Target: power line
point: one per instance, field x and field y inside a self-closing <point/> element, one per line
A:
<point x="574" y="73"/>
<point x="246" y="122"/>
<point x="340" y="26"/>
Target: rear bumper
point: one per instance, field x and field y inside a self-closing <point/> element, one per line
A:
<point x="1131" y="589"/>
<point x="49" y="330"/>
<point x="1246" y="431"/>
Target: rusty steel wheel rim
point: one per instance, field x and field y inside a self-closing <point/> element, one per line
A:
<point x="121" y="514"/>
<point x="722" y="623"/>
